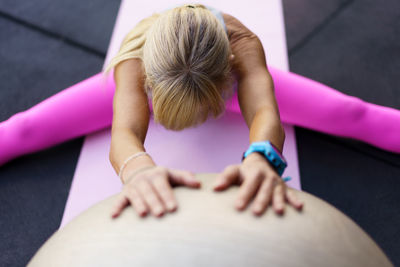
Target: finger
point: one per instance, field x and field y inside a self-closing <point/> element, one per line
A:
<point x="293" y="199"/>
<point x="165" y="192"/>
<point x="248" y="189"/>
<point x="278" y="198"/>
<point x="150" y="197"/>
<point x="181" y="177"/>
<point x="227" y="177"/>
<point x="137" y="201"/>
<point x="263" y="197"/>
<point x="120" y="203"/>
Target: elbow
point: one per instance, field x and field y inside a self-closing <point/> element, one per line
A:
<point x="111" y="154"/>
<point x="283" y="134"/>
<point x="111" y="157"/>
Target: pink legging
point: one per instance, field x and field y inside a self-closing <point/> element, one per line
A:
<point x="87" y="106"/>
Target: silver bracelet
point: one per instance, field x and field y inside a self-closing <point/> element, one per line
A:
<point x="132" y="175"/>
<point x="128" y="159"/>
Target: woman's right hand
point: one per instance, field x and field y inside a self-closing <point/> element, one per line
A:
<point x="149" y="188"/>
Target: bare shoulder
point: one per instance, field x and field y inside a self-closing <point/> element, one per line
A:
<point x="246" y="46"/>
<point x="236" y="29"/>
<point x="130" y="74"/>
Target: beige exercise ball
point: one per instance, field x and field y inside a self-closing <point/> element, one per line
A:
<point x="207" y="230"/>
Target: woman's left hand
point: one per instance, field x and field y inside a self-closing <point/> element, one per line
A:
<point x="258" y="178"/>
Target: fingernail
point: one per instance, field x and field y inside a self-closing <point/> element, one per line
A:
<point x="257" y="208"/>
<point x="279" y="210"/>
<point x="239" y="203"/>
<point x="216" y="185"/>
<point x="158" y="210"/>
<point x="143" y="213"/>
<point x="194" y="180"/>
<point x="170" y="205"/>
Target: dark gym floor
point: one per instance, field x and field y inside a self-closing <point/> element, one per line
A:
<point x="353" y="46"/>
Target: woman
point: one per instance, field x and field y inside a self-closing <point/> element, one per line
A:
<point x="185" y="61"/>
<point x="187" y="54"/>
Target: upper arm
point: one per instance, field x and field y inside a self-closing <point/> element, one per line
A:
<point x="130" y="104"/>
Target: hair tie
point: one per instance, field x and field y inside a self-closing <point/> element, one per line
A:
<point x="190" y="6"/>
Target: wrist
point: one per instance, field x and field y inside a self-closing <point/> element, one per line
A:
<point x="138" y="163"/>
<point x="271" y="154"/>
<point x="132" y="174"/>
<point x="255" y="156"/>
<point x="133" y="163"/>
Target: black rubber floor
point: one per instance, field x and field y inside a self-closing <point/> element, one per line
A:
<point x="350" y="45"/>
<point x="45" y="47"/>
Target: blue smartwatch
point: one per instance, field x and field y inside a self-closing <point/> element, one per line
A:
<point x="270" y="152"/>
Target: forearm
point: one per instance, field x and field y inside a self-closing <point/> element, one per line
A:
<point x="266" y="125"/>
<point x="125" y="143"/>
<point x="259" y="108"/>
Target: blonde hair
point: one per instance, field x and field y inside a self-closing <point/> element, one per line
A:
<point x="185" y="53"/>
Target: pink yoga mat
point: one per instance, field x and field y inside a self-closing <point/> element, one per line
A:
<point x="208" y="148"/>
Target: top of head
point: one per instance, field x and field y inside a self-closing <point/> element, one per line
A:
<point x="185" y="53"/>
